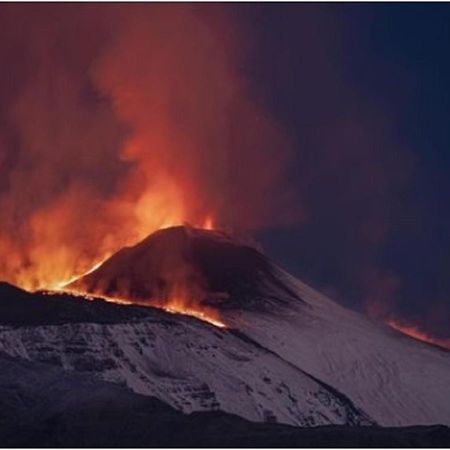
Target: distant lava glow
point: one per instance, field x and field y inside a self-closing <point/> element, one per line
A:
<point x="418" y="334"/>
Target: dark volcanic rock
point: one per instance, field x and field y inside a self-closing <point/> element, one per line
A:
<point x="43" y="406"/>
<point x="19" y="307"/>
<point x="209" y="263"/>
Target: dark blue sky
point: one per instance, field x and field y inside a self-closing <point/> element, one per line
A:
<point x="364" y="91"/>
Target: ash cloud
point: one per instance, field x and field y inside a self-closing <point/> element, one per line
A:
<point x="120" y="119"/>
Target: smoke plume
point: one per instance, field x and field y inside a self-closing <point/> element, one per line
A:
<point x="122" y="119"/>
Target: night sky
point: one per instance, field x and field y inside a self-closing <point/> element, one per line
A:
<point x="358" y="92"/>
<point x="364" y="92"/>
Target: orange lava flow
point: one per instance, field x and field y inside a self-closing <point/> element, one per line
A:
<point x="206" y="315"/>
<point x="181" y="302"/>
<point x="173" y="306"/>
<point x="61" y="284"/>
<point x="416" y="333"/>
<point x="51" y="268"/>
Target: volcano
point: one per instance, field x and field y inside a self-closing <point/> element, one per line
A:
<point x="395" y="380"/>
<point x="204" y="268"/>
<point x="283" y="352"/>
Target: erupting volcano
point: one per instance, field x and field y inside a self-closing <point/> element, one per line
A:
<point x="267" y="347"/>
<point x="178" y="269"/>
<point x="155" y="128"/>
<point x="159" y="271"/>
<point x="144" y="150"/>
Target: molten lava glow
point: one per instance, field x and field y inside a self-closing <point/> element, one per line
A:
<point x="61" y="284"/>
<point x="53" y="260"/>
<point x="181" y="299"/>
<point x="150" y="124"/>
<point x="173" y="305"/>
<point x="208" y="223"/>
<point x="207" y="314"/>
<point x="418" y="334"/>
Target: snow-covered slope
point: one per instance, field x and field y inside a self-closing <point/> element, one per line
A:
<point x="47" y="407"/>
<point x="189" y="364"/>
<point x="395" y="379"/>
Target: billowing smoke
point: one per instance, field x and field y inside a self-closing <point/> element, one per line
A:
<point x="118" y="120"/>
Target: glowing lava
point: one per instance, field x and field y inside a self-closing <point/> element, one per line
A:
<point x="416" y="333"/>
<point x="202" y="315"/>
<point x="60" y="285"/>
<point x="173" y="306"/>
<point x="208" y="224"/>
<point x="180" y="298"/>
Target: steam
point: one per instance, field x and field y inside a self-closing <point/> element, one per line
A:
<point x="124" y="120"/>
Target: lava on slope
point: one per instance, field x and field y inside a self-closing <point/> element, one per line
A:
<point x="188" y="270"/>
<point x="418" y="334"/>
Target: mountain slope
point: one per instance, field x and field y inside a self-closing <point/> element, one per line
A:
<point x="187" y="363"/>
<point x="207" y="266"/>
<point x="397" y="380"/>
<point x="44" y="406"/>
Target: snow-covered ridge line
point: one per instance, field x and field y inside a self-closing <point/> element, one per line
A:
<point x="188" y="365"/>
